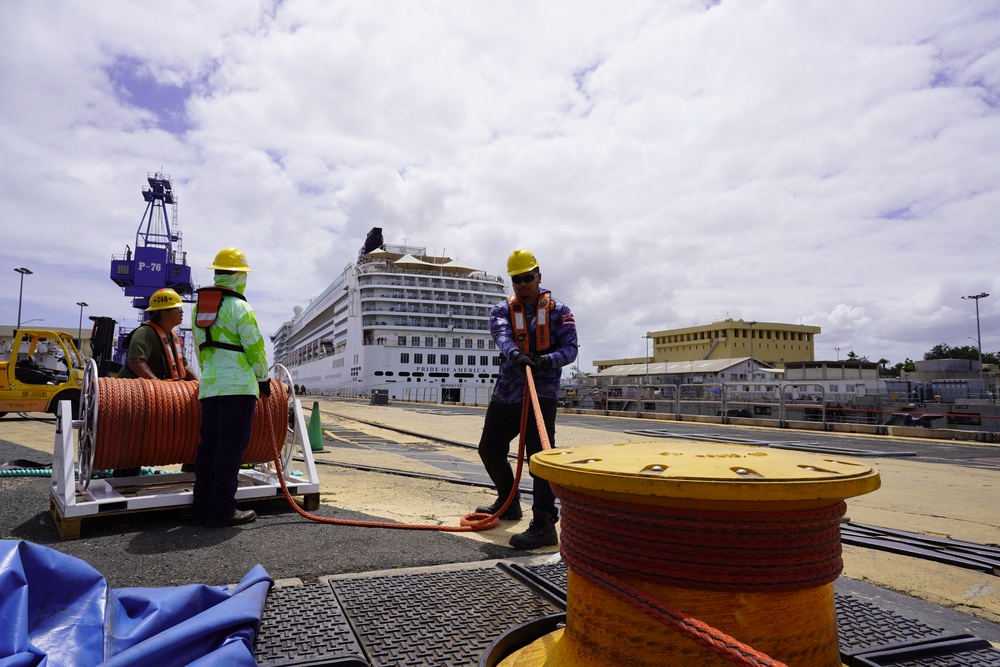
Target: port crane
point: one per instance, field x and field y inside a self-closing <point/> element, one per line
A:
<point x="158" y="260"/>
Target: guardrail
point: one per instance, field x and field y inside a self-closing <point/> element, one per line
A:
<point x="782" y="403"/>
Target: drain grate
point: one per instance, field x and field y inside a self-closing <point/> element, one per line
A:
<point x="304" y="625"/>
<point x="442" y="618"/>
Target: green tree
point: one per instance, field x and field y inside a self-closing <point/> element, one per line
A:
<point x="907" y="366"/>
<point x="945" y="351"/>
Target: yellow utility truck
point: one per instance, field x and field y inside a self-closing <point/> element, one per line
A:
<point x="41" y="368"/>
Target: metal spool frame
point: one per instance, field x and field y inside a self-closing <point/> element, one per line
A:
<point x="75" y="493"/>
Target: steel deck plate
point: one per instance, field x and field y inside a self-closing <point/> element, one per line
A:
<point x="305" y="625"/>
<point x="441" y="618"/>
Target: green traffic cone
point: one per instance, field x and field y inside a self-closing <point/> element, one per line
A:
<point x="315" y="429"/>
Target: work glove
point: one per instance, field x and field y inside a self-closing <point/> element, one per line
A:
<point x="543" y="363"/>
<point x="265" y="388"/>
<point x="523" y="361"/>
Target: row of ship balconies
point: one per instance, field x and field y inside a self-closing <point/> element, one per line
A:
<point x="425" y="309"/>
<point x="431" y="296"/>
<point x="449" y="323"/>
<point x="479" y="281"/>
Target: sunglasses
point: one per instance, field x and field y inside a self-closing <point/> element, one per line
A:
<point x="517" y="280"/>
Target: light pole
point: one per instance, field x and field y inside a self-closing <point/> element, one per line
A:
<point x="837" y="350"/>
<point x="751" y="348"/>
<point x="24" y="272"/>
<point x="647" y="356"/>
<point x="979" y="339"/>
<point x="79" y="335"/>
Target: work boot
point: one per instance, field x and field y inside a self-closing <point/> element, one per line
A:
<point x="513" y="512"/>
<point x="541" y="532"/>
<point x="238" y="517"/>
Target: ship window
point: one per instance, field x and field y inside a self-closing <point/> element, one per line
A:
<point x="431" y="359"/>
<point x="459" y="360"/>
<point x="415" y="341"/>
<point x="484" y="375"/>
<point x="480" y="344"/>
<point x="496" y="360"/>
<point x="438" y="375"/>
<point x="401" y="340"/>
<point x="464" y="375"/>
<point x="379" y="373"/>
<point x="404" y="358"/>
<point x="428" y="341"/>
<point x="468" y="343"/>
<point x="493" y="344"/>
<point x="418" y="375"/>
<point x="456" y="342"/>
<point x="484" y="360"/>
<point x="388" y="373"/>
<point x="444" y="359"/>
<point x="404" y="374"/>
<point x="442" y="342"/>
<point x="418" y="358"/>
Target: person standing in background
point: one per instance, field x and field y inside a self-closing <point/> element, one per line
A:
<point x="233" y="374"/>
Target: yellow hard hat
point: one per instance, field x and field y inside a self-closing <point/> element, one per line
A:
<point x="230" y="259"/>
<point x="521" y="261"/>
<point x="164" y="299"/>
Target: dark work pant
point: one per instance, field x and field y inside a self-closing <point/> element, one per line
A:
<point x="502" y="425"/>
<point x="226" y="422"/>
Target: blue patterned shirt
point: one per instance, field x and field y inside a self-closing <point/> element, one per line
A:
<point x="562" y="351"/>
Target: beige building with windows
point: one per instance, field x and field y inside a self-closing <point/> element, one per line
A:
<point x="773" y="343"/>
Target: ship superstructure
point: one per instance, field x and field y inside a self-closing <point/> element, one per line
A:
<point x="400" y="320"/>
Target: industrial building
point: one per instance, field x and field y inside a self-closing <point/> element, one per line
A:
<point x="773" y="343"/>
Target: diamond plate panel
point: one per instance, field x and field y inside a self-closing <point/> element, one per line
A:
<point x="305" y="625"/>
<point x="444" y="619"/>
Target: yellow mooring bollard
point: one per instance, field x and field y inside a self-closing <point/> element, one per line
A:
<point x="315" y="429"/>
<point x="745" y="540"/>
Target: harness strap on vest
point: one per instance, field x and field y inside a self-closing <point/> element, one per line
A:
<point x="519" y="322"/>
<point x="209" y="301"/>
<point x="172" y="352"/>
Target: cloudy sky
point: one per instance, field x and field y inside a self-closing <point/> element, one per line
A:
<point x="832" y="163"/>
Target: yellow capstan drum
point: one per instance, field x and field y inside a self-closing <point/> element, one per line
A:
<point x="682" y="553"/>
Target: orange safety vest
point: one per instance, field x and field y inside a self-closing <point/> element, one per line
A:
<point x="519" y="322"/>
<point x="209" y="301"/>
<point x="172" y="351"/>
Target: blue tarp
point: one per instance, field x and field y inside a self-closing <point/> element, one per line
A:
<point x="56" y="610"/>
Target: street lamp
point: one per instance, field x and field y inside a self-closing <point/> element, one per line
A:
<point x="751" y="349"/>
<point x="79" y="335"/>
<point x="979" y="339"/>
<point x="24" y="272"/>
<point x="837" y="350"/>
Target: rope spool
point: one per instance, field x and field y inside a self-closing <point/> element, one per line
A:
<point x="696" y="554"/>
<point x="154" y="423"/>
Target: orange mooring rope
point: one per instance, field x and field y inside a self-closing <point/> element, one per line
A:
<point x="155" y="422"/>
<point x="475" y="521"/>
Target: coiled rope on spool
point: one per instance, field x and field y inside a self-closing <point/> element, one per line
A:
<point x="156" y="422"/>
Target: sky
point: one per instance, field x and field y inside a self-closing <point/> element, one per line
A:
<point x="834" y="163"/>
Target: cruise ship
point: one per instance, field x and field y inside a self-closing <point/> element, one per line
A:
<point x="397" y="323"/>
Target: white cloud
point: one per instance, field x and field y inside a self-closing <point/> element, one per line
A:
<point x="830" y="163"/>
